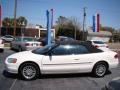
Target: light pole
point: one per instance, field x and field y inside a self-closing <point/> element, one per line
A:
<point x="23" y="26"/>
<point x="84" y="18"/>
<point x="0" y="16"/>
<point x="15" y="10"/>
<point x="75" y="32"/>
<point x="22" y="30"/>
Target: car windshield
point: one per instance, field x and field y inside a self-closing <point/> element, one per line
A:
<point x="98" y="42"/>
<point x="44" y="49"/>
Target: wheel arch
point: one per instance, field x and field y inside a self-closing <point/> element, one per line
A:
<point x="29" y="62"/>
<point x="102" y="61"/>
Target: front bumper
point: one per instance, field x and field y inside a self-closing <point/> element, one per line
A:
<point x="11" y="68"/>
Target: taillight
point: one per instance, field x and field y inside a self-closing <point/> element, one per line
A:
<point x="116" y="56"/>
<point x="2" y="42"/>
<point x="106" y="46"/>
<point x="40" y="44"/>
<point x="27" y="44"/>
<point x="96" y="46"/>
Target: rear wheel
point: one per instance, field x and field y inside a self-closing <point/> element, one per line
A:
<point x="29" y="71"/>
<point x="1" y="50"/>
<point x="19" y="49"/>
<point x="100" y="69"/>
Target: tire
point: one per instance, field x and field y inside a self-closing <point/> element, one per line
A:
<point x="19" y="49"/>
<point x="1" y="50"/>
<point x="100" y="69"/>
<point x="11" y="46"/>
<point x="29" y="71"/>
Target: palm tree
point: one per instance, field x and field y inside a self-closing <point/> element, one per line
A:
<point x="21" y="21"/>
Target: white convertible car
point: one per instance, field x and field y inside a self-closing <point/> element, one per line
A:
<point x="61" y="58"/>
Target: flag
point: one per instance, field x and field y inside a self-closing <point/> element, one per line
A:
<point x="96" y="23"/>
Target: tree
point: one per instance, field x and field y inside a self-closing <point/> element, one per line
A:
<point x="62" y="21"/>
<point x="106" y="28"/>
<point x="67" y="27"/>
<point x="76" y="25"/>
<point x="115" y="33"/>
<point x="21" y="21"/>
<point x="7" y="22"/>
<point x="10" y="21"/>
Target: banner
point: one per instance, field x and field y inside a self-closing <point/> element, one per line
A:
<point x="48" y="27"/>
<point x="96" y="23"/>
<point x="51" y="18"/>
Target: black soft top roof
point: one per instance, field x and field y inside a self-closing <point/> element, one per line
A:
<point x="89" y="46"/>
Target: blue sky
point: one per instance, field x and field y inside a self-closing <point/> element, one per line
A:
<point x="35" y="10"/>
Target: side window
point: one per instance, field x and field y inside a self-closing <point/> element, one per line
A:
<point x="7" y="36"/>
<point x="70" y="49"/>
<point x="80" y="49"/>
<point x="89" y="42"/>
<point x="63" y="50"/>
<point x="60" y="50"/>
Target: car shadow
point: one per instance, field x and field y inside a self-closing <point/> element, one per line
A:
<point x="52" y="76"/>
<point x="14" y="50"/>
<point x="108" y="72"/>
<point x="47" y="76"/>
<point x="10" y="75"/>
<point x="79" y="75"/>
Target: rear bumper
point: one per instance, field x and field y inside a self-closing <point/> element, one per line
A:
<point x="1" y="45"/>
<point x="32" y="48"/>
<point x="114" y="65"/>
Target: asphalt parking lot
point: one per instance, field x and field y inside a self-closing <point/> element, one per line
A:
<point x="53" y="82"/>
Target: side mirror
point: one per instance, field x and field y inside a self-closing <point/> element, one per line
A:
<point x="50" y="53"/>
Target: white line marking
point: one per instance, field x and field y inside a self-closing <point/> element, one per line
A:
<point x="13" y="84"/>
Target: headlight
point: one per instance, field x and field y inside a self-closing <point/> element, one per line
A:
<point x="12" y="60"/>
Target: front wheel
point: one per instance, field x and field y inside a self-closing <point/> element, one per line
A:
<point x="28" y="71"/>
<point x="100" y="69"/>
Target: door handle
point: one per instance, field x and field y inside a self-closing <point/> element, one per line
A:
<point x="76" y="59"/>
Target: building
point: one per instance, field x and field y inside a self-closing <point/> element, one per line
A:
<point x="27" y="31"/>
<point x="101" y="35"/>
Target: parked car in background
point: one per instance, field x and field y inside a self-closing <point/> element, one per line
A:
<point x="61" y="58"/>
<point x="64" y="38"/>
<point x="1" y="45"/>
<point x="8" y="38"/>
<point x="24" y="43"/>
<point x="114" y="84"/>
<point x="44" y="41"/>
<point x="98" y="44"/>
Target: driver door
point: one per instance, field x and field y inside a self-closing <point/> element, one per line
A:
<point x="63" y="60"/>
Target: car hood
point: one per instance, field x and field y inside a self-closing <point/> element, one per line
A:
<point x="26" y="55"/>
